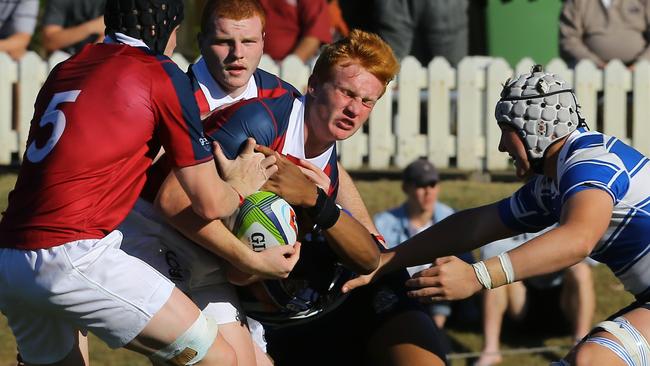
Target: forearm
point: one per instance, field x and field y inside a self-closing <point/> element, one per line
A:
<point x="350" y="199"/>
<point x="353" y="244"/>
<point x="212" y="235"/>
<point x="15" y="45"/>
<point x="56" y="37"/>
<point x="211" y="198"/>
<point x="307" y="48"/>
<point x="461" y="232"/>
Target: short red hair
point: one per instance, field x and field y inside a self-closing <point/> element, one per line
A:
<point x="230" y="9"/>
<point x="368" y="49"/>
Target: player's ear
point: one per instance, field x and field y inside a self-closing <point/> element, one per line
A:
<point x="312" y="86"/>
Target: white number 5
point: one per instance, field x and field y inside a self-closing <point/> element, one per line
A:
<point x="57" y="119"/>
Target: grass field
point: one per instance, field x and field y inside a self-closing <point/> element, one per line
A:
<point x="380" y="195"/>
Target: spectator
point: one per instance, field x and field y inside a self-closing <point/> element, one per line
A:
<point x="604" y="30"/>
<point x="17" y="23"/>
<point x="296" y="27"/>
<point x="421" y="210"/>
<point x="340" y="28"/>
<point x="424" y="29"/>
<point x="559" y="302"/>
<point x="68" y="25"/>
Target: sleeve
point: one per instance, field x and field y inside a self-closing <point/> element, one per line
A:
<point x="385" y="223"/>
<point x="23" y="19"/>
<point x="231" y="126"/>
<point x="55" y="12"/>
<point x="572" y="48"/>
<point x="527" y="210"/>
<point x="315" y="19"/>
<point x="599" y="174"/>
<point x="178" y="122"/>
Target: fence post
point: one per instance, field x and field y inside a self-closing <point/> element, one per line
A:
<point x="56" y="58"/>
<point x="380" y="131"/>
<point x="470" y="142"/>
<point x="295" y="72"/>
<point x="442" y="79"/>
<point x="641" y="111"/>
<point x="497" y="73"/>
<point x="617" y="82"/>
<point x="559" y="67"/>
<point x="267" y="64"/>
<point x="8" y="137"/>
<point x="410" y="143"/>
<point x="32" y="72"/>
<point x="588" y="81"/>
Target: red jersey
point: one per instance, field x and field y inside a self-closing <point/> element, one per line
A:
<point x="99" y="120"/>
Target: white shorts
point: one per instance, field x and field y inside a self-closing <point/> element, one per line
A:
<point x="194" y="270"/>
<point x="88" y="285"/>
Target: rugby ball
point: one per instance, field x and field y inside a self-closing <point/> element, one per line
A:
<point x="265" y="220"/>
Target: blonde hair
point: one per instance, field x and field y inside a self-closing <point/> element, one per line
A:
<point x="368" y="49"/>
<point x="230" y="9"/>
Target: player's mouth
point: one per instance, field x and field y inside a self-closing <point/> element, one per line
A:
<point x="235" y="70"/>
<point x="345" y="124"/>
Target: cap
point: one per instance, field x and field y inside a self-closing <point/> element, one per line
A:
<point x="420" y="172"/>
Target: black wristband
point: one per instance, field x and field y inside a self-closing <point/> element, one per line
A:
<point x="325" y="213"/>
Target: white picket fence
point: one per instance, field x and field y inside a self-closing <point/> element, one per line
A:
<point x="455" y="105"/>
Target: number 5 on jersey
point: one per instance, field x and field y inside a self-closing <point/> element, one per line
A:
<point x="55" y="117"/>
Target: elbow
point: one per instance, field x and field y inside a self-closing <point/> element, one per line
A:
<point x="209" y="211"/>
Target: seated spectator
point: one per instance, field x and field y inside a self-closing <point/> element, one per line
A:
<point x="68" y="25"/>
<point x="604" y="30"/>
<point x="420" y="210"/>
<point x="424" y="29"/>
<point x="296" y="27"/>
<point x="17" y="23"/>
<point x="556" y="303"/>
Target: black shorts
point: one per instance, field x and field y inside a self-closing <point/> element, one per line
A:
<point x="341" y="336"/>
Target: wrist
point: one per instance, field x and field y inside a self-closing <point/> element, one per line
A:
<point x="324" y="213"/>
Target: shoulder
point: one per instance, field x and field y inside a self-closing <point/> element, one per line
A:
<point x="391" y="215"/>
<point x="443" y="210"/>
<point x="270" y="85"/>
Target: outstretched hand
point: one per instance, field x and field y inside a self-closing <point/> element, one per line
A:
<point x="315" y="174"/>
<point x="249" y="171"/>
<point x="369" y="278"/>
<point x="450" y="278"/>
<point x="289" y="182"/>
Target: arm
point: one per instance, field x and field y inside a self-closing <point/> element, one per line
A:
<point x="275" y="262"/>
<point x="15" y="45"/>
<point x="350" y="198"/>
<point x="584" y="220"/>
<point x="55" y="37"/>
<point x="350" y="241"/>
<point x="307" y="48"/>
<point x="572" y="46"/>
<point x="314" y="25"/>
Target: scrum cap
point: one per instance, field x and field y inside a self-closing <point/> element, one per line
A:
<point x="541" y="108"/>
<point x="152" y="21"/>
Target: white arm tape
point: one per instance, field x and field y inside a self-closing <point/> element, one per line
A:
<point x="632" y="340"/>
<point x="192" y="345"/>
<point x="483" y="275"/>
<point x="506" y="265"/>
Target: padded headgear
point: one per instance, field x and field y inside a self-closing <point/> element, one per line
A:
<point x="541" y="108"/>
<point x="152" y="21"/>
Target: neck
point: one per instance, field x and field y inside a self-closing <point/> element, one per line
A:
<point x="417" y="216"/>
<point x="550" y="158"/>
<point x="313" y="145"/>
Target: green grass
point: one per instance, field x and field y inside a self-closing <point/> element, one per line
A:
<point x="380" y="195"/>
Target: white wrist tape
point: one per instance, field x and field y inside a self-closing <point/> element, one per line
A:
<point x="483" y="275"/>
<point x="506" y="265"/>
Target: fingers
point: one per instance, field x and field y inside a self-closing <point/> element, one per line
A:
<point x="442" y="260"/>
<point x="428" y="294"/>
<point x="355" y="283"/>
<point x="268" y="161"/>
<point x="267" y="151"/>
<point x="271" y="170"/>
<point x="219" y="156"/>
<point x="428" y="272"/>
<point x="249" y="148"/>
<point x="423" y="281"/>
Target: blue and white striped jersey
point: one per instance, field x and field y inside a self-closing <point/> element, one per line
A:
<point x="591" y="160"/>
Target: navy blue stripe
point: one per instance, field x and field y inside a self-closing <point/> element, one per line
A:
<point x="610" y="142"/>
<point x="584" y="141"/>
<point x="190" y="110"/>
<point x="629" y="265"/>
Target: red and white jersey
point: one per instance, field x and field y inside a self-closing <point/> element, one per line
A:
<point x="99" y="121"/>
